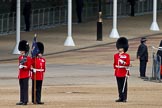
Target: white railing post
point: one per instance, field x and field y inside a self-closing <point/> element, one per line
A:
<point x="69" y="41"/>
<point x="114" y="33"/>
<point x="154" y="25"/>
<point x="16" y="51"/>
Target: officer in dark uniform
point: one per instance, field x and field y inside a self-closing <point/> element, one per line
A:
<point x="79" y="9"/>
<point x="27" y="13"/>
<point x="132" y="3"/>
<point x="142" y="55"/>
<point x="24" y="71"/>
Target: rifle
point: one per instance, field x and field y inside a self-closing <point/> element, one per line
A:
<point x="24" y="58"/>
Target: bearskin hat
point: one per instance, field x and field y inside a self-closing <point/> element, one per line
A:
<point x="41" y="47"/>
<point x="122" y="42"/>
<point x="160" y="45"/>
<point x="23" y="46"/>
<point x="143" y="39"/>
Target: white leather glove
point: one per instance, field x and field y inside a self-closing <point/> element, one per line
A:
<point x="121" y="61"/>
<point x="21" y="66"/>
<point x="127" y="76"/>
<point x="34" y="70"/>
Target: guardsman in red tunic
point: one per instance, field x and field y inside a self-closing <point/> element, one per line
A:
<point x="38" y="69"/>
<point x="24" y="71"/>
<point x="121" y="62"/>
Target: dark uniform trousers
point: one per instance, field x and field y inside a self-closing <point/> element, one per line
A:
<point x="132" y="9"/>
<point x="79" y="9"/>
<point x="132" y="4"/>
<point x="38" y="90"/>
<point x="27" y="13"/>
<point x="79" y="14"/>
<point x="143" y="64"/>
<point x="24" y="89"/>
<point x="27" y="22"/>
<point x="120" y="83"/>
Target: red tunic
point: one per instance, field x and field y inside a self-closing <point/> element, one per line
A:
<point x="25" y="72"/>
<point x="39" y="63"/>
<point x="121" y="72"/>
